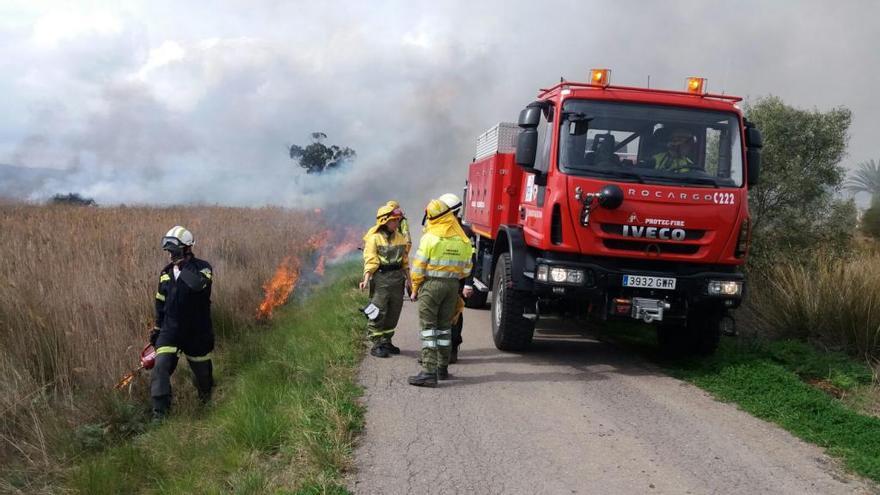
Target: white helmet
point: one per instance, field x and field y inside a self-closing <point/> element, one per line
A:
<point x="453" y="202"/>
<point x="178" y="237"/>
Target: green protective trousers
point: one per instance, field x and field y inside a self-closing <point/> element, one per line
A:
<point x="437" y="298"/>
<point x="387" y="295"/>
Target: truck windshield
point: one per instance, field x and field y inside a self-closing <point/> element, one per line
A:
<point x="649" y="143"/>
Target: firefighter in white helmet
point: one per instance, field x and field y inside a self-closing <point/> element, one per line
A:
<point x="183" y="320"/>
<point x="467" y="287"/>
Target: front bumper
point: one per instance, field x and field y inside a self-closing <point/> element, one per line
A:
<point x="603" y="282"/>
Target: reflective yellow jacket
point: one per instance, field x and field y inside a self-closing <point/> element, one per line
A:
<point x="665" y="161"/>
<point x="441" y="257"/>
<point x="381" y="248"/>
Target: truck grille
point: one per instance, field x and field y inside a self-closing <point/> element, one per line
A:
<point x="617" y="229"/>
<point x="653" y="247"/>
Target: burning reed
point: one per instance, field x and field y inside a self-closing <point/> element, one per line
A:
<point x="76" y="302"/>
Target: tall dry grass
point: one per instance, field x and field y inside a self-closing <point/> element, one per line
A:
<point x="827" y="300"/>
<point x="76" y="300"/>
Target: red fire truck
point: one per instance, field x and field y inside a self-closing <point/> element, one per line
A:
<point x="615" y="202"/>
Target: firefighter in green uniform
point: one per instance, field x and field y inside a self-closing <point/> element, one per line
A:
<point x="466" y="284"/>
<point x="386" y="272"/>
<point x="442" y="260"/>
<point x="676" y="157"/>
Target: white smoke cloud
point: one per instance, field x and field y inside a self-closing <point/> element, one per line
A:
<point x="142" y="105"/>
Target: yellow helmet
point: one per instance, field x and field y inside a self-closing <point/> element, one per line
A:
<point x="385" y="213"/>
<point x="436" y="209"/>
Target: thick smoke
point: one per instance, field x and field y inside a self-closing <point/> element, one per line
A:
<point x="137" y="107"/>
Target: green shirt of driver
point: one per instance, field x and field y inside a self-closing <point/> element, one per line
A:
<point x="665" y="161"/>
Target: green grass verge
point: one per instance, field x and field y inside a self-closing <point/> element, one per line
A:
<point x="282" y="422"/>
<point x="770" y="381"/>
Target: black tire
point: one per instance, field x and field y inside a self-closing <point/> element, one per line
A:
<point x="477" y="300"/>
<point x="510" y="331"/>
<point x="704" y="327"/>
<point x="698" y="335"/>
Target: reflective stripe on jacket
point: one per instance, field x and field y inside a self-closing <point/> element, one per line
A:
<point x="382" y="248"/>
<point x="441" y="257"/>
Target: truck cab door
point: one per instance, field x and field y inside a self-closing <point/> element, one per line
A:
<point x="534" y="189"/>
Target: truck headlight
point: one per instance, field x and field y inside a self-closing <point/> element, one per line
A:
<point x="559" y="275"/>
<point x="725" y="288"/>
<point x="542" y="273"/>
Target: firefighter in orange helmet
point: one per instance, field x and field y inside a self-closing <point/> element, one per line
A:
<point x="386" y="272"/>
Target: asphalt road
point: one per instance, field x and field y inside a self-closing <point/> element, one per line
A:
<point x="573" y="415"/>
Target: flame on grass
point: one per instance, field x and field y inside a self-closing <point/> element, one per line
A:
<point x="319" y="267"/>
<point x="279" y="288"/>
<point x="348" y="242"/>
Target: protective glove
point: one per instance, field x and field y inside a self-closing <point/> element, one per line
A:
<point x="154" y="335"/>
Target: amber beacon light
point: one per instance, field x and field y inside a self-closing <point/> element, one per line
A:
<point x="600" y="77"/>
<point x="696" y="85"/>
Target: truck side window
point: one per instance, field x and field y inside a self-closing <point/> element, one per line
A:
<point x="545" y="138"/>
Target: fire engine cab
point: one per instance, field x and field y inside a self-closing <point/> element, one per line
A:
<point x="618" y="202"/>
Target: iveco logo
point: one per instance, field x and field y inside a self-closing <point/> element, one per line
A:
<point x="654" y="233"/>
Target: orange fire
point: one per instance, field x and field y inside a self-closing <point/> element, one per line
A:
<point x="319" y="267"/>
<point x="279" y="288"/>
<point x="350" y="241"/>
<point x="317" y="241"/>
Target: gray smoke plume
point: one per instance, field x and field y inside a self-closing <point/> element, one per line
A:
<point x="134" y="106"/>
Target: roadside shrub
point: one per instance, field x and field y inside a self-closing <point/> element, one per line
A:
<point x="826" y="300"/>
<point x="871" y="222"/>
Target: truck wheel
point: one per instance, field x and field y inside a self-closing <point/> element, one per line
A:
<point x="672" y="338"/>
<point x="704" y="327"/>
<point x="510" y="331"/>
<point x="477" y="300"/>
<point x="698" y="335"/>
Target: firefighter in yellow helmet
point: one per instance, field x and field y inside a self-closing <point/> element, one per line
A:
<point x="442" y="260"/>
<point x="386" y="271"/>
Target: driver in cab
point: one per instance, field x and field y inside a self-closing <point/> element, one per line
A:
<point x="676" y="156"/>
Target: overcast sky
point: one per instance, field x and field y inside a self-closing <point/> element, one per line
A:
<point x="163" y="101"/>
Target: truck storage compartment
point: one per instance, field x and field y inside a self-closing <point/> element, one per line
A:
<point x="490" y="201"/>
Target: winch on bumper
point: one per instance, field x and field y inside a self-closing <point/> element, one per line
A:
<point x="604" y="288"/>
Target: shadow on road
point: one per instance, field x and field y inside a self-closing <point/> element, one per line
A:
<point x="564" y="345"/>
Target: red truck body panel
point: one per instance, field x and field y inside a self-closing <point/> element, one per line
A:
<point x="501" y="193"/>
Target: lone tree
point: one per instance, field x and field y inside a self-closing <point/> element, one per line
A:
<point x="795" y="207"/>
<point x="72" y="199"/>
<point x="318" y="157"/>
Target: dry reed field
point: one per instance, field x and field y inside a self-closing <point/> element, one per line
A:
<point x="76" y="300"/>
<point x="827" y="300"/>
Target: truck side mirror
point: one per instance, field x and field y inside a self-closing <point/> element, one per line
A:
<point x="753" y="156"/>
<point x="530" y="116"/>
<point x="753" y="137"/>
<point x="527" y="148"/>
<point x="754" y="143"/>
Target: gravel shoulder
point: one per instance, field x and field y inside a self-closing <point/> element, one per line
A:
<point x="573" y="415"/>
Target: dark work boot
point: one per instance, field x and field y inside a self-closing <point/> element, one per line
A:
<point x="443" y="373"/>
<point x="423" y="379"/>
<point x="161" y="406"/>
<point x="379" y="350"/>
<point x="453" y="355"/>
<point x="393" y="349"/>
